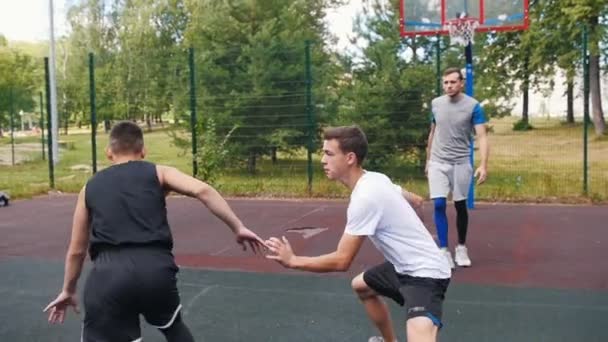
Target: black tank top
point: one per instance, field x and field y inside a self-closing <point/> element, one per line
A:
<point x="127" y="207"/>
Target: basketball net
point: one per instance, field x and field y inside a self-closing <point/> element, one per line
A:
<point x="462" y="30"/>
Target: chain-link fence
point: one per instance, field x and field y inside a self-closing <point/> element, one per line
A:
<point x="250" y="119"/>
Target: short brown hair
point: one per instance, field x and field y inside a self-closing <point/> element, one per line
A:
<point x="449" y="71"/>
<point x="350" y="139"/>
<point x="126" y="137"/>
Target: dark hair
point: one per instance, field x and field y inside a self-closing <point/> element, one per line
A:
<point x="449" y="71"/>
<point x="126" y="137"/>
<point x="350" y="139"/>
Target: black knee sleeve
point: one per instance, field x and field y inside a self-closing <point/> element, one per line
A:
<point x="462" y="220"/>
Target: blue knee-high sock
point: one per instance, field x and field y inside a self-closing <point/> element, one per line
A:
<point x="441" y="221"/>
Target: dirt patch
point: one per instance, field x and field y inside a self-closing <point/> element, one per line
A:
<point x="23" y="153"/>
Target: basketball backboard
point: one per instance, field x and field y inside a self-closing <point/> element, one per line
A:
<point x="431" y="17"/>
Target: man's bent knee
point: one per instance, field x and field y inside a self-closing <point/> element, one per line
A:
<point x="421" y="329"/>
<point x="361" y="288"/>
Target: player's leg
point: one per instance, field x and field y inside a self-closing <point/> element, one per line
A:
<point x="440" y="179"/>
<point x="424" y="298"/>
<point x="421" y="329"/>
<point x="463" y="174"/>
<point x="441" y="220"/>
<point x="462" y="220"/>
<point x="177" y="331"/>
<point x="158" y="297"/>
<point x="108" y="302"/>
<point x="378" y="281"/>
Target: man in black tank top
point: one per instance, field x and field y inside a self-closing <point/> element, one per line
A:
<point x="121" y="217"/>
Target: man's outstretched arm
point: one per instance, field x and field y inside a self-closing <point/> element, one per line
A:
<point x="339" y="260"/>
<point x="416" y="201"/>
<point x="173" y="179"/>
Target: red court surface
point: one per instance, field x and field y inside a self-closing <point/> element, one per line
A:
<point x="544" y="246"/>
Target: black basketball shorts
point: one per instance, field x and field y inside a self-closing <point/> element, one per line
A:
<point x="124" y="283"/>
<point x="420" y="296"/>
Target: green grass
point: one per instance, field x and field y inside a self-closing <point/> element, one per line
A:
<point x="544" y="164"/>
<point x="540" y="165"/>
<point x="32" y="178"/>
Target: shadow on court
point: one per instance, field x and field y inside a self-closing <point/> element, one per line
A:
<point x="537" y="275"/>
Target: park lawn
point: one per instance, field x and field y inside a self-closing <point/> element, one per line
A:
<point x="541" y="165"/>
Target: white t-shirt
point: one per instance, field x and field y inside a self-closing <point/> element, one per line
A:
<point x="377" y="209"/>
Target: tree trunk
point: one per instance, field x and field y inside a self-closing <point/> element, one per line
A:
<point x="251" y="162"/>
<point x="524" y="110"/>
<point x="107" y="125"/>
<point x="570" y="101"/>
<point x="596" y="95"/>
<point x="594" y="79"/>
<point x="148" y="122"/>
<point x="414" y="47"/>
<point x="274" y="154"/>
<point x="525" y="89"/>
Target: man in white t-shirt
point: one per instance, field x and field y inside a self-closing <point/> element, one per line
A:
<point x="415" y="273"/>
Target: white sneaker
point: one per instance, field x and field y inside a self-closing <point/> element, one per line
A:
<point x="377" y="339"/>
<point x="461" y="256"/>
<point x="448" y="256"/>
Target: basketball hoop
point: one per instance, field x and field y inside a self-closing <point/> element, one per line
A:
<point x="461" y="30"/>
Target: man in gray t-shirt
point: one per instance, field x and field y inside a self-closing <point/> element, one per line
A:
<point x="455" y="117"/>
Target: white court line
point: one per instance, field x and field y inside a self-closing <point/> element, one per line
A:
<point x="222" y="250"/>
<point x="528" y="304"/>
<point x="201" y="293"/>
<point x="450" y="301"/>
<point x="282" y="291"/>
<point x="321" y="208"/>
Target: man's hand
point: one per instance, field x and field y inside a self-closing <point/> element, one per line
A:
<point x="283" y="254"/>
<point x="481" y="174"/>
<point x="415" y="201"/>
<point x="245" y="236"/>
<point x="59" y="306"/>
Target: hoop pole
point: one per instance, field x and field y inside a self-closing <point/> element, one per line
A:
<point x="468" y="53"/>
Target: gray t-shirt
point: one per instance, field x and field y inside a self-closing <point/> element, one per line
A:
<point x="454" y="121"/>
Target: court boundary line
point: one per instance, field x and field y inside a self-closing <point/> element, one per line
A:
<point x="209" y="287"/>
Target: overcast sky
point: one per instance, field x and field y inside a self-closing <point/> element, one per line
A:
<point x="28" y="20"/>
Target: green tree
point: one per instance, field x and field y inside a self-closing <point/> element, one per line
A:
<point x="250" y="62"/>
<point x="513" y="63"/>
<point x="576" y="15"/>
<point x="387" y="90"/>
<point x="552" y="43"/>
<point x="18" y="84"/>
<point x="137" y="45"/>
<point x="92" y="30"/>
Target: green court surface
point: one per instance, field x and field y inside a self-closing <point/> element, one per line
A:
<point x="234" y="306"/>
